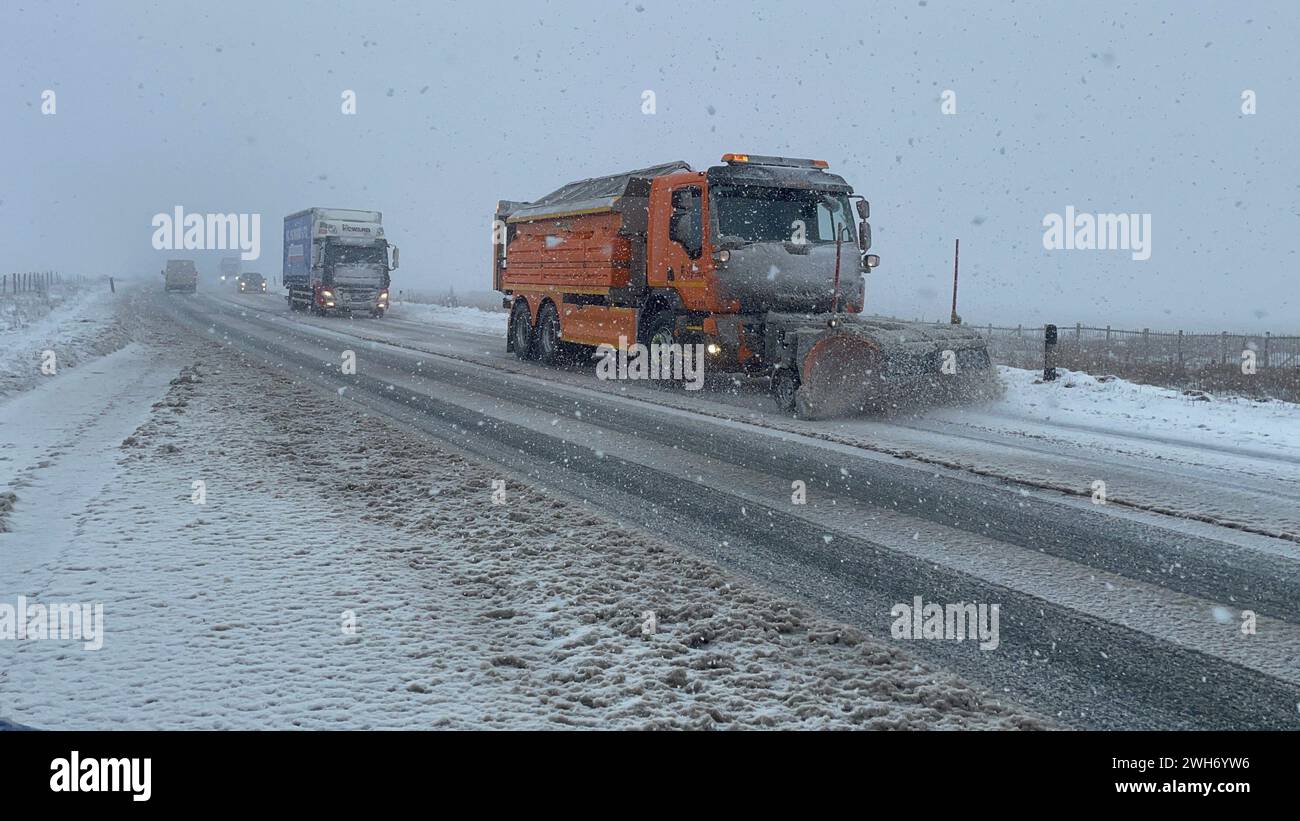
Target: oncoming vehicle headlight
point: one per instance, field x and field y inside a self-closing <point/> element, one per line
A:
<point x="327" y="294"/>
<point x="714" y="348"/>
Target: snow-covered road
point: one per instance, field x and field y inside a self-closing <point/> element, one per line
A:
<point x="1115" y="617"/>
<point x="340" y="572"/>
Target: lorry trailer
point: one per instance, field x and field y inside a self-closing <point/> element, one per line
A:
<point x="759" y="260"/>
<point x="337" y="260"/>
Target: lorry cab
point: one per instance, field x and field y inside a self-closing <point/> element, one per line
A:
<point x="757" y="234"/>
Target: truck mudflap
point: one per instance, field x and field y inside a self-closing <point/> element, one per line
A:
<point x="837" y="365"/>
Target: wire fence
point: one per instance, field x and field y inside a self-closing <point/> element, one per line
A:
<point x="1258" y="364"/>
<point x="1093" y="348"/>
<point x="29" y="282"/>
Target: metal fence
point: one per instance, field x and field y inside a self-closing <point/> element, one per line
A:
<point x="1102" y="350"/>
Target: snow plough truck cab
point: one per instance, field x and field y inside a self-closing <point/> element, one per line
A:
<point x="759" y="260"/>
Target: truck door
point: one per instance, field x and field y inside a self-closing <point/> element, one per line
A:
<point x="679" y="242"/>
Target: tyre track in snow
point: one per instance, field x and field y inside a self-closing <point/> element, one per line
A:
<point x="679" y="477"/>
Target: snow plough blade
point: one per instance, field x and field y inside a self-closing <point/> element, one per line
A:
<point x="848" y="364"/>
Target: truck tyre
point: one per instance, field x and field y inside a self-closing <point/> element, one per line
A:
<point x="785" y="385"/>
<point x="549" y="347"/>
<point x="521" y="331"/>
<point x="661" y="329"/>
<point x="377" y="313"/>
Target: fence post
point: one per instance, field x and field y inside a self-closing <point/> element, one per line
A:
<point x="1180" y="350"/>
<point x="1267" y="334"/>
<point x="1049" y="353"/>
<point x="1223" y="352"/>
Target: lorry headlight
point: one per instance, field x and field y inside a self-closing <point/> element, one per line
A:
<point x="714" y="348"/>
<point x="722" y="256"/>
<point x="327" y="294"/>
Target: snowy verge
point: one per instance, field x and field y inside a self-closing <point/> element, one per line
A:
<point x="76" y="323"/>
<point x="1128" y="408"/>
<point x="465" y="319"/>
<point x="366" y="579"/>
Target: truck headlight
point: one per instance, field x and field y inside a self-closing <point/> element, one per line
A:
<point x="714" y="348"/>
<point x="327" y="294"/>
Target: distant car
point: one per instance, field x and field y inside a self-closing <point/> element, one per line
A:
<point x="252" y="283"/>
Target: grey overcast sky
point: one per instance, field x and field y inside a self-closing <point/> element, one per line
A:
<point x="1104" y="106"/>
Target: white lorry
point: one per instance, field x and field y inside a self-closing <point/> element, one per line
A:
<point x="337" y="260"/>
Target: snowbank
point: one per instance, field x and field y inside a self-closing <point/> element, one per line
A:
<point x="1117" y="406"/>
<point x="468" y="319"/>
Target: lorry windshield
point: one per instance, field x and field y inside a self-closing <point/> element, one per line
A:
<point x="355" y="254"/>
<point x="754" y="213"/>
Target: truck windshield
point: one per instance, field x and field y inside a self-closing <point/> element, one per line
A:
<point x="753" y="213"/>
<point x="355" y="254"/>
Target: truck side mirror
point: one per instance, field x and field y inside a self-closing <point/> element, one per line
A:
<point x="394" y="257"/>
<point x="864" y="209"/>
<point x="864" y="234"/>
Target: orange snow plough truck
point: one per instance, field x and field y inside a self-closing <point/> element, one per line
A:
<point x="759" y="260"/>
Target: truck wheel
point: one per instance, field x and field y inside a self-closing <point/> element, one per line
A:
<point x="377" y="313"/>
<point x="785" y="384"/>
<point x="550" y="348"/>
<point x="660" y="330"/>
<point x="521" y="331"/>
